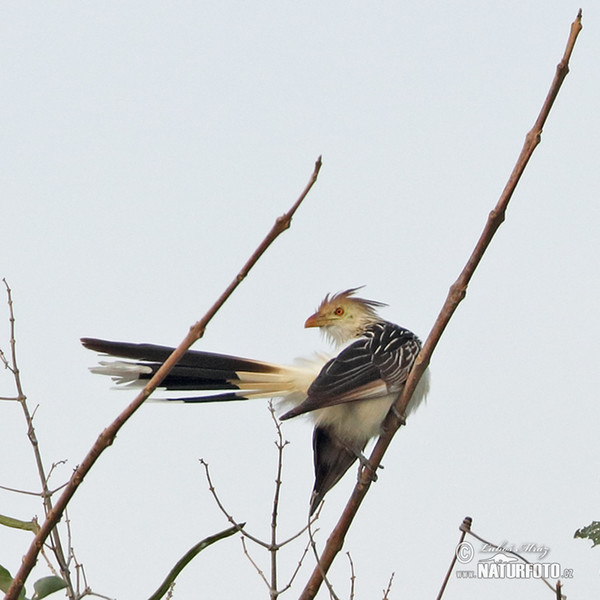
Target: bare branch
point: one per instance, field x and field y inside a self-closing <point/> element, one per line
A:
<point x="352" y="575"/>
<point x="456" y="293"/>
<point x="45" y="493"/>
<point x="465" y="526"/>
<point x="106" y="438"/>
<point x="17" y="491"/>
<point x="386" y="592"/>
<point x="322" y="571"/>
<point x="298" y="567"/>
<point x="54" y="464"/>
<point x="274" y="548"/>
<point x="260" y="572"/>
<point x="228" y="516"/>
<point x="3" y="358"/>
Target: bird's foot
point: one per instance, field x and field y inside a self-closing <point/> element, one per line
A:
<point x="399" y="415"/>
<point x="364" y="463"/>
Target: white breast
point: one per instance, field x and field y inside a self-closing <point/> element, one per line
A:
<point x="361" y="420"/>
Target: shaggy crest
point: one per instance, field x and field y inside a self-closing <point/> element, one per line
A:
<point x="369" y="306"/>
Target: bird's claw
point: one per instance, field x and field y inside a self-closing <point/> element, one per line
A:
<point x="364" y="463"/>
<point x="399" y="415"/>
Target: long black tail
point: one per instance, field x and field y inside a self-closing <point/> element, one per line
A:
<point x="219" y="377"/>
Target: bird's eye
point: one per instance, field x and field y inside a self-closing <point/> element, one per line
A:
<point x="339" y="311"/>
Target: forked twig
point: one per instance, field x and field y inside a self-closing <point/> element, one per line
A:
<point x="465" y="529"/>
<point x="388" y="589"/>
<point x="456" y="294"/>
<point x="45" y="493"/>
<point x="274" y="545"/>
<point x="106" y="438"/>
<point x="519" y="556"/>
<point x="274" y="548"/>
<point x="221" y="506"/>
<point x="256" y="566"/>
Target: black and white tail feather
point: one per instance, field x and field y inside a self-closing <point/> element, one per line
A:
<point x="347" y="396"/>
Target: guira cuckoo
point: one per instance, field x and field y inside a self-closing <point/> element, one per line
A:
<point x="347" y="396"/>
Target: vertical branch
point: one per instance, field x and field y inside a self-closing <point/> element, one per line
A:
<point x="106" y="438"/>
<point x="465" y="526"/>
<point x="274" y="546"/>
<point x="455" y="295"/>
<point x="46" y="494"/>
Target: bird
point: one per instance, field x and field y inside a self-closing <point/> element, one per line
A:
<point x="347" y="395"/>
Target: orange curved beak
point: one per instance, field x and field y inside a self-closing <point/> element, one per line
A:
<point x="313" y="321"/>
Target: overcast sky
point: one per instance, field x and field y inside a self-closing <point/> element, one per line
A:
<point x="147" y="149"/>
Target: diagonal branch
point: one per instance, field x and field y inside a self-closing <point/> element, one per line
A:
<point x="456" y="293"/>
<point x="106" y="438"/>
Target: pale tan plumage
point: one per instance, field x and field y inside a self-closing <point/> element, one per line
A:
<point x="343" y="316"/>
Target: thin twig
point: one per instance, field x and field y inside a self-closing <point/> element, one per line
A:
<point x="464" y="528"/>
<point x="48" y="562"/>
<point x="260" y="572"/>
<point x="171" y="591"/>
<point x="3" y="358"/>
<point x="505" y="551"/>
<point x="46" y="495"/>
<point x="81" y="577"/>
<point x="297" y="569"/>
<point x="231" y="519"/>
<point x="298" y="533"/>
<point x="106" y="438"/>
<point x="352" y="575"/>
<point x="89" y="592"/>
<point x="323" y="572"/>
<point x="221" y="506"/>
<point x="71" y="552"/>
<point x="54" y="464"/>
<point x="18" y="491"/>
<point x="386" y="592"/>
<point x="274" y="548"/>
<point x="456" y="293"/>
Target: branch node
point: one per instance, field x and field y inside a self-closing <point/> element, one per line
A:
<point x="466" y="524"/>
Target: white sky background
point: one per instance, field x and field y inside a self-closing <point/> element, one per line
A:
<point x="147" y="149"/>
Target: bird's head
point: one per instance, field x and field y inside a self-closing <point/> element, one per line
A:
<point x="343" y="316"/>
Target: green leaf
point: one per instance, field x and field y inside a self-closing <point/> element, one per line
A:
<point x="591" y="532"/>
<point x="6" y="580"/>
<point x="18" y="524"/>
<point x="47" y="585"/>
<point x="188" y="556"/>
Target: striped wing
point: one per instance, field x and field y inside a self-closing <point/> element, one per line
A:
<point x="371" y="367"/>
